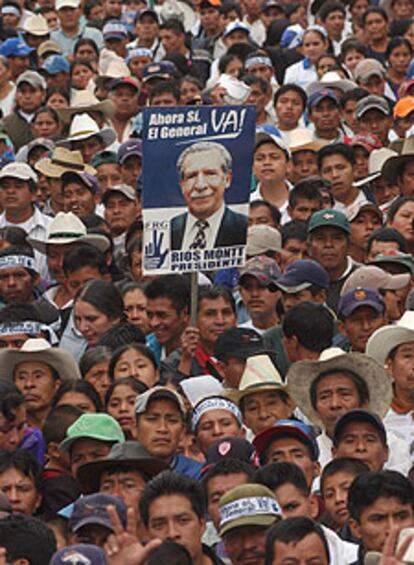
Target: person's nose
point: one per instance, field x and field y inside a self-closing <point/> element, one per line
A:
<point x="172" y="532"/>
<point x="217" y="429"/>
<point x="201" y="181"/>
<point x="123" y="407"/>
<point x="334" y="402"/>
<point x="13" y="494"/>
<point x="11" y="281"/>
<point x="360" y="446"/>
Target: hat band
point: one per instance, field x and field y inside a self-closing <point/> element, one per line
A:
<point x="87" y="132"/>
<point x="30" y="328"/>
<point x="215" y="404"/>
<point x="63" y="234"/>
<point x="250" y="506"/>
<point x="12" y="261"/>
<point x="66" y="165"/>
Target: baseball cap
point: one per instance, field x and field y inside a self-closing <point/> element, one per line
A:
<point x="372" y="102"/>
<point x="210" y="4"/>
<point x="15" y="47"/>
<point x="229" y="447"/>
<point x="92" y="509"/>
<point x="115" y="30"/>
<point x="123" y="189"/>
<point x="266" y="137"/>
<point x="267" y="4"/>
<point x="237" y="25"/>
<point x="50" y="47"/>
<point x="79" y="554"/>
<point x="302" y="274"/>
<point x="263" y="268"/>
<point x="370" y="276"/>
<point x="395" y="256"/>
<point x="367" y="207"/>
<point x="159" y="393"/>
<point x="33" y="78"/>
<point x="238" y="342"/>
<point x="290" y="428"/>
<point x="124" y="81"/>
<point x="359" y="415"/>
<point x="163" y="70"/>
<point x="317" y="97"/>
<point x="100" y="427"/>
<point x="369" y="142"/>
<point x="368" y="68"/>
<point x="404" y="107"/>
<point x="248" y="505"/>
<point x="147" y="12"/>
<point x="130" y="148"/>
<point x="104" y="157"/>
<point x="67" y="4"/>
<point x="357" y="297"/>
<point x="262" y="238"/>
<point x="85" y="178"/>
<point x="329" y="217"/>
<point x="20" y="171"/>
<point x="56" y="64"/>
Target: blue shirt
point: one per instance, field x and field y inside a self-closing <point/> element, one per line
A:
<point x="68" y="43"/>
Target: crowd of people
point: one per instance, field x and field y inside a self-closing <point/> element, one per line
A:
<point x="269" y="422"/>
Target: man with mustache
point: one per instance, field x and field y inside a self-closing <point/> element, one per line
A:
<point x="205" y="173"/>
<point x="246" y="514"/>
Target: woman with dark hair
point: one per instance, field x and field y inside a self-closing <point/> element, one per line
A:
<point x="81" y="73"/>
<point x="314" y="43"/>
<point x="120" y="403"/>
<point x="398" y="54"/>
<point x="137" y="361"/>
<point x="93" y="366"/>
<point x="135" y="304"/>
<point x="97" y="308"/>
<point x="86" y="50"/>
<point x="46" y="123"/>
<point x="401" y="218"/>
<point x="57" y="98"/>
<point x="78" y="393"/>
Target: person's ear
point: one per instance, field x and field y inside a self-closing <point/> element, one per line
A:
<point x="355" y="528"/>
<point x="58" y="383"/>
<point x="341" y="328"/>
<point x="314" y="506"/>
<point x="220" y="368"/>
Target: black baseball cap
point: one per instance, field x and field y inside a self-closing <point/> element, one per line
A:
<point x="359" y="415"/>
<point x="229" y="447"/>
<point x="238" y="342"/>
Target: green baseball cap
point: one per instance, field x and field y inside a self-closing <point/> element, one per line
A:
<point x="104" y="158"/>
<point x="100" y="427"/>
<point x="248" y="505"/>
<point x="394" y="256"/>
<point x="329" y="217"/>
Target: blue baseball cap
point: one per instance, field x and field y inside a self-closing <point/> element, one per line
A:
<point x="162" y="70"/>
<point x="114" y="29"/>
<point x="130" y="148"/>
<point x="56" y="64"/>
<point x="85" y="178"/>
<point x="15" y="47"/>
<point x="286" y="428"/>
<point x="79" y="554"/>
<point x="302" y="274"/>
<point x="357" y="297"/>
<point x="92" y="509"/>
<point x="317" y="97"/>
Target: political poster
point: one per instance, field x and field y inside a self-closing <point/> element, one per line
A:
<point x="196" y="176"/>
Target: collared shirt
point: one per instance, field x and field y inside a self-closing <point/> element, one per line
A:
<point x="257" y="30"/>
<point x="67" y="43"/>
<point x="211" y="231"/>
<point x="301" y="74"/>
<point x="348" y="209"/>
<point x="36" y="227"/>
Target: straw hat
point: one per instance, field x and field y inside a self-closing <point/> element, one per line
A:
<point x="68" y="228"/>
<point x="302" y="374"/>
<point x="260" y="375"/>
<point x="49" y="46"/>
<point x="331" y="79"/>
<point x="84" y="127"/>
<point x="62" y="161"/>
<point x="301" y="139"/>
<point x="376" y="161"/>
<point x="385" y="339"/>
<point x="393" y="166"/>
<point x="39" y="350"/>
<point x="36" y="25"/>
<point x="86" y="101"/>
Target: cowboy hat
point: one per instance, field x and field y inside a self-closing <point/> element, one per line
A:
<point x="394" y="165"/>
<point x="259" y="375"/>
<point x="125" y="455"/>
<point x="301" y="139"/>
<point x="385" y="339"/>
<point x="331" y="79"/>
<point x="86" y="101"/>
<point x="61" y="161"/>
<point x="376" y="161"/>
<point x="84" y="127"/>
<point x="302" y="374"/>
<point x="39" y="350"/>
<point x="68" y="228"/>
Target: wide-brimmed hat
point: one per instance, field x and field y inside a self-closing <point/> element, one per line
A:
<point x="301" y="139"/>
<point x="86" y="101"/>
<point x="385" y="339"/>
<point x="84" y="127"/>
<point x="63" y="160"/>
<point x="39" y="350"/>
<point x="331" y="79"/>
<point x="259" y="375"/>
<point x="393" y="166"/>
<point x="68" y="228"/>
<point x="302" y="374"/>
<point x="126" y="455"/>
<point x="376" y="161"/>
<point x="36" y="25"/>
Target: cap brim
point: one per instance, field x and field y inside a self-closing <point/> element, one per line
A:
<point x="370" y="303"/>
<point x="255" y="520"/>
<point x="292" y="289"/>
<point x="93" y="521"/>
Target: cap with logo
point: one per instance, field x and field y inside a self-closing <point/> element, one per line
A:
<point x="229" y="447"/>
<point x="123" y="189"/>
<point x="302" y="274"/>
<point x="15" y="47"/>
<point x="368" y="68"/>
<point x="56" y="64"/>
<point x="79" y="554"/>
<point x="323" y="94"/>
<point x="114" y="29"/>
<point x="162" y="70"/>
<point x="20" y="171"/>
<point x="92" y="510"/>
<point x="358" y="297"/>
<point x="372" y="102"/>
<point x="329" y="217"/>
<point x="237" y="25"/>
<point x="248" y="505"/>
<point x="101" y="427"/>
<point x="263" y="268"/>
<point x="130" y="148"/>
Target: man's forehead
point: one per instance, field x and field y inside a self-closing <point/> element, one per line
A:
<point x="331" y="380"/>
<point x="122" y="473"/>
<point x="287" y="442"/>
<point x="14" y="271"/>
<point x="165" y="405"/>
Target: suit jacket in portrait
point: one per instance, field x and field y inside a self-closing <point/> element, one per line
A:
<point x="232" y="231"/>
